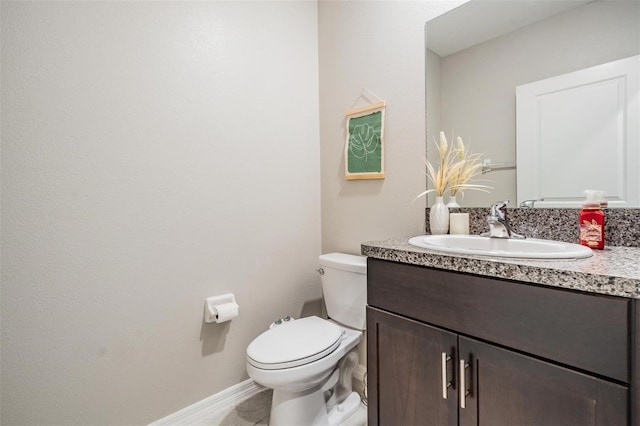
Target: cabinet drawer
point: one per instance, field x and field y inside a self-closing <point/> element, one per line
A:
<point x="586" y="331"/>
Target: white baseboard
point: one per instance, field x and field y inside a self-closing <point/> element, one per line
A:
<point x="201" y="411"/>
<point x="204" y="410"/>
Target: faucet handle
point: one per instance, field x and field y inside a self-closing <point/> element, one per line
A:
<point x="499" y="225"/>
<point x="499" y="209"/>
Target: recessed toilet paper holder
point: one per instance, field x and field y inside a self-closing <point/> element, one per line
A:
<point x="220" y="308"/>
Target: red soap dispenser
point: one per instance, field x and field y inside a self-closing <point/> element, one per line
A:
<point x="591" y="222"/>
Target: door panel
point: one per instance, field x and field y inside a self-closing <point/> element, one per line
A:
<point x="507" y="388"/>
<point x="573" y="124"/>
<point x="408" y="370"/>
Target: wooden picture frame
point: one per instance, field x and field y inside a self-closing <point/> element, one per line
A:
<point x="364" y="148"/>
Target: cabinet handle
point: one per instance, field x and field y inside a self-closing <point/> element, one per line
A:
<point x="463" y="386"/>
<point x="446" y="384"/>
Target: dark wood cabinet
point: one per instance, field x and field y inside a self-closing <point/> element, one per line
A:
<point x="507" y="388"/>
<point x="440" y="352"/>
<point x="409" y="380"/>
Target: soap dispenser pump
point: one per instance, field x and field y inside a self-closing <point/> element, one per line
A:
<point x="591" y="223"/>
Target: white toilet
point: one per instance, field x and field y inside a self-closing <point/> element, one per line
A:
<point x="309" y="362"/>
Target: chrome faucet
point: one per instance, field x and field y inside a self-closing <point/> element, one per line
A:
<point x="499" y="226"/>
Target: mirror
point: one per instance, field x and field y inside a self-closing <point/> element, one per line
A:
<point x="480" y="51"/>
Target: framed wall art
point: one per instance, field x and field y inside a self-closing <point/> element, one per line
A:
<point x="364" y="149"/>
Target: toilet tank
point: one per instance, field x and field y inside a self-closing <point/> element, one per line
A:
<point x="344" y="285"/>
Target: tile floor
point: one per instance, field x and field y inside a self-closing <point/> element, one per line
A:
<point x="255" y="411"/>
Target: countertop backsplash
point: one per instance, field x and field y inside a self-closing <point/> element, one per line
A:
<point x="622" y="226"/>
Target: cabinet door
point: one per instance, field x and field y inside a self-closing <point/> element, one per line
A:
<point x="507" y="388"/>
<point x="410" y="365"/>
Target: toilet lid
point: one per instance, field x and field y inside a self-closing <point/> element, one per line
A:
<point x="297" y="343"/>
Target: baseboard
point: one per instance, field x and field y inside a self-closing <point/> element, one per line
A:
<point x="203" y="410"/>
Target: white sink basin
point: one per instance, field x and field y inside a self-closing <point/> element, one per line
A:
<point x="500" y="247"/>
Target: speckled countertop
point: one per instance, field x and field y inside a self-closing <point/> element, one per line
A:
<point x="614" y="271"/>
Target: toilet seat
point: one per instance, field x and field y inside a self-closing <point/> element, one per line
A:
<point x="297" y="343"/>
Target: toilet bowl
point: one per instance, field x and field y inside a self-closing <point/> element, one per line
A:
<point x="309" y="362"/>
<point x="299" y="384"/>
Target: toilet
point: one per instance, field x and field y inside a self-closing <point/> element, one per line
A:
<point x="309" y="362"/>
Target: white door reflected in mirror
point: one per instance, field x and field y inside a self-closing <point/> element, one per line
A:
<point x="589" y="118"/>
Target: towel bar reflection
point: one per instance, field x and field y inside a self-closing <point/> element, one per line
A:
<point x="488" y="166"/>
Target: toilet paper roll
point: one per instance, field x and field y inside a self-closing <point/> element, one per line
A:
<point x="225" y="312"/>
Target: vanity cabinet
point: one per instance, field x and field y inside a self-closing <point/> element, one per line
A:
<point x="447" y="348"/>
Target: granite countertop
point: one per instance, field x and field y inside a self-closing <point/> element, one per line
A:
<point x="613" y="271"/>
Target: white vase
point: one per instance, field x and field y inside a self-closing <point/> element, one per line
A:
<point x="453" y="202"/>
<point x="439" y="217"/>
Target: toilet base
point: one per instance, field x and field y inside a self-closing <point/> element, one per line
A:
<point x="342" y="412"/>
<point x="309" y="408"/>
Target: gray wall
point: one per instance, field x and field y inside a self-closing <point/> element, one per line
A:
<point x="378" y="45"/>
<point x="153" y="154"/>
